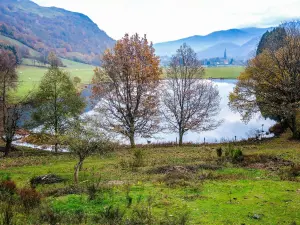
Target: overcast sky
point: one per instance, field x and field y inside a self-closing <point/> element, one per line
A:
<point x="165" y="20"/>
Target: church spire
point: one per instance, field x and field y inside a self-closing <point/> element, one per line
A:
<point x="225" y="54"/>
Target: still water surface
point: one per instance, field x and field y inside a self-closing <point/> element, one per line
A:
<point x="231" y="127"/>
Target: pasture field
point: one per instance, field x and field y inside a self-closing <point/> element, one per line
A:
<point x="167" y="185"/>
<point x="30" y="76"/>
<point x="223" y="72"/>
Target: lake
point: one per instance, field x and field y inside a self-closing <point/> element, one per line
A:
<point x="231" y="127"/>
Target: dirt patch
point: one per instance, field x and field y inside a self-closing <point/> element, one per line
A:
<point x="266" y="162"/>
<point x="182" y="169"/>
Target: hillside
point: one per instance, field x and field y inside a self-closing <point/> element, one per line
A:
<point x="71" y="35"/>
<point x="213" y="44"/>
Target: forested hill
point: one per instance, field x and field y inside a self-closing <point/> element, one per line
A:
<point x="71" y="35"/>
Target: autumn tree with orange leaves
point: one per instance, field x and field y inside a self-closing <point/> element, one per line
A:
<point x="271" y="82"/>
<point x="127" y="86"/>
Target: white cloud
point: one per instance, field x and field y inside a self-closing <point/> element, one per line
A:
<point x="164" y="20"/>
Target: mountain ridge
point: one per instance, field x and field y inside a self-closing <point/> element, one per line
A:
<point x="201" y="43"/>
<point x="71" y="35"/>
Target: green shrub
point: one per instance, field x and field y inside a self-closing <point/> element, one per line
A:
<point x="92" y="191"/>
<point x="138" y="158"/>
<point x="6" y="215"/>
<point x="141" y="215"/>
<point x="235" y="155"/>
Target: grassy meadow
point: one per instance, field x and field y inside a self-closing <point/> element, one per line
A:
<point x="167" y="185"/>
<point x="223" y="72"/>
<point x="30" y="76"/>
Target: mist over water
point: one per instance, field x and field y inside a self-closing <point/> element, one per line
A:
<point x="231" y="127"/>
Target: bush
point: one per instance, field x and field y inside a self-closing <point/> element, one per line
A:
<point x="7" y="190"/>
<point x="277" y="129"/>
<point x="30" y="198"/>
<point x="234" y="154"/>
<point x="8" y="187"/>
<point x="290" y="173"/>
<point x="138" y="158"/>
<point x="7" y="215"/>
<point x="92" y="191"/>
<point x="140" y="216"/>
<point x="219" y="152"/>
<point x="295" y="170"/>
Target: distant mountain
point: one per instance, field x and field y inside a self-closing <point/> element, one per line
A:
<point x="214" y="44"/>
<point x="241" y="52"/>
<point x="72" y="35"/>
<point x="218" y="51"/>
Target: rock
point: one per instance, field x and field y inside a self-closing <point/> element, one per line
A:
<point x="46" y="179"/>
<point x="256" y="216"/>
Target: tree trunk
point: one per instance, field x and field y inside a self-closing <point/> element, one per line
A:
<point x="132" y="141"/>
<point x="180" y="138"/>
<point x="7" y="148"/>
<point x="56" y="148"/>
<point x="76" y="171"/>
<point x="294" y="128"/>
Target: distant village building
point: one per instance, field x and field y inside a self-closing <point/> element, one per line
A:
<point x="221" y="61"/>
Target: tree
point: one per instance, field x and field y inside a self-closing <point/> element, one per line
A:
<point x="190" y="103"/>
<point x="272" y="40"/>
<point x="13" y="115"/>
<point x="8" y="81"/>
<point x="54" y="61"/>
<point x="76" y="81"/>
<point x="83" y="142"/>
<point x="271" y="82"/>
<point x="56" y="101"/>
<point x="128" y="88"/>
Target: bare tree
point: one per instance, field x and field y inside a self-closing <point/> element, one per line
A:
<point x="190" y="103"/>
<point x="13" y="115"/>
<point x="8" y="81"/>
<point x="271" y="82"/>
<point x="129" y="95"/>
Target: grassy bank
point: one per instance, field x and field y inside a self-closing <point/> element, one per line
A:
<point x="169" y="184"/>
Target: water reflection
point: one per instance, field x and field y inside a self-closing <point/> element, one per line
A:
<point x="231" y="127"/>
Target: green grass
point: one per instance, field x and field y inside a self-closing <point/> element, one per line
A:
<point x="223" y="72"/>
<point x="232" y="194"/>
<point x="30" y="76"/>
